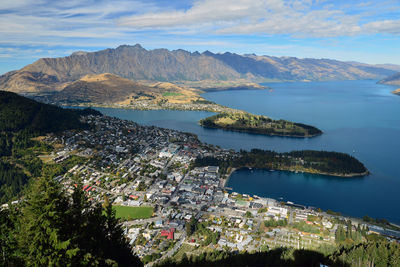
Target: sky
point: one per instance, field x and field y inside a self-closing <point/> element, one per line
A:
<point x="348" y="30"/>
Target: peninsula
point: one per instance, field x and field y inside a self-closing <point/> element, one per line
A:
<point x="250" y="123"/>
<point x="309" y="161"/>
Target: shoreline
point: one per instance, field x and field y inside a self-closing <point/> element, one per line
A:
<point x="228" y="176"/>
<point x="214" y="107"/>
<point x="259" y="133"/>
<point x="350" y="175"/>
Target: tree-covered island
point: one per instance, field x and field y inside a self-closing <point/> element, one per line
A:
<point x="309" y="161"/>
<point x="250" y="123"/>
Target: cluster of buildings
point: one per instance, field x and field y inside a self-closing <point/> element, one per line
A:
<point x="142" y="166"/>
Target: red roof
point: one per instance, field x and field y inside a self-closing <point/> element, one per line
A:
<point x="164" y="232"/>
<point x="168" y="233"/>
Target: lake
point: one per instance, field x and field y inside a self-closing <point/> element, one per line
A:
<point x="358" y="117"/>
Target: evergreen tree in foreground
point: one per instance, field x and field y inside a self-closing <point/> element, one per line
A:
<point x="54" y="229"/>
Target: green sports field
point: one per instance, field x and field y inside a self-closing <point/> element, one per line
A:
<point x="133" y="212"/>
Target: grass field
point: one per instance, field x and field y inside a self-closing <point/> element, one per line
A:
<point x="133" y="212"/>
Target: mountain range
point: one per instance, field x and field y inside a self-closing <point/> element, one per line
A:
<point x="138" y="64"/>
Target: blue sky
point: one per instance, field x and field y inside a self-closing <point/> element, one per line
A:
<point x="352" y="30"/>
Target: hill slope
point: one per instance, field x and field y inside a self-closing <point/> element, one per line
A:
<point x="392" y="80"/>
<point x="110" y="89"/>
<point x="137" y="63"/>
<point x="102" y="88"/>
<point x="21" y="119"/>
<point x="18" y="113"/>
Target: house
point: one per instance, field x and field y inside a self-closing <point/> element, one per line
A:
<point x="158" y="223"/>
<point x="168" y="233"/>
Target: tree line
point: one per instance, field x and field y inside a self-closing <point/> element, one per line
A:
<point x="321" y="161"/>
<point x="373" y="253"/>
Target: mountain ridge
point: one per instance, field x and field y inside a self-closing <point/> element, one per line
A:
<point x="138" y="64"/>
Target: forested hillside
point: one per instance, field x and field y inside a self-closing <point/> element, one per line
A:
<point x="331" y="163"/>
<point x="19" y="113"/>
<point x="21" y="119"/>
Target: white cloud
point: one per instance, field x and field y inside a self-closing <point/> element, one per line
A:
<point x="32" y="21"/>
<point x="387" y="26"/>
<point x="305" y="18"/>
<point x="218" y="25"/>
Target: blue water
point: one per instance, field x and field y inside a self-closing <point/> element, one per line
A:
<point x="357" y="117"/>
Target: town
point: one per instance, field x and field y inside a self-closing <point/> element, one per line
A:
<point x="172" y="208"/>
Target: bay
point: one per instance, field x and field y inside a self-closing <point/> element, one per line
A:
<point x="358" y="117"/>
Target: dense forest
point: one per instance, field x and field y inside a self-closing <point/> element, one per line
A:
<point x="333" y="163"/>
<point x="21" y="119"/>
<point x="53" y="228"/>
<point x="12" y="180"/>
<point x="19" y="113"/>
<point x="246" y="122"/>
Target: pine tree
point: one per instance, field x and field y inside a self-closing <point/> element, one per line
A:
<point x="42" y="237"/>
<point x="340" y="234"/>
<point x="116" y="245"/>
<point x="8" y="245"/>
<point x="59" y="230"/>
